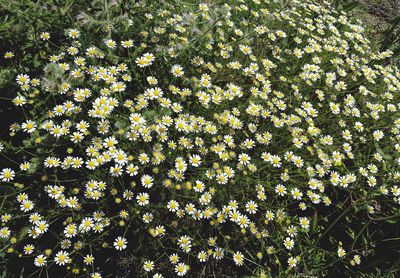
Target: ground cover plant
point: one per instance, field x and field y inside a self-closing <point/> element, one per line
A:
<point x="241" y="138"/>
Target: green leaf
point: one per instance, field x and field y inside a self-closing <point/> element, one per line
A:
<point x="314" y="221"/>
<point x="23" y="232"/>
<point x="36" y="62"/>
<point x="350" y="6"/>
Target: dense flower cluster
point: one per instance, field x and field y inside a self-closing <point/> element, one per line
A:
<point x="217" y="130"/>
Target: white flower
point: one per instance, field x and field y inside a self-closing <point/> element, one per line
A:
<point x="244" y="159"/>
<point x="7" y="174"/>
<point x="73" y="33"/>
<point x="304" y="222"/>
<point x="116" y="170"/>
<point x="26" y="206"/>
<point x="29" y="126"/>
<point x="41" y="227"/>
<point x="292" y="262"/>
<point x="251" y="207"/>
<point x="5" y="232"/>
<point x="357" y="259"/>
<point x="95" y="275"/>
<point x="202" y="256"/>
<point x="24" y="166"/>
<point x="143" y="199"/>
<point x="110" y="44"/>
<point x="177" y="71"/>
<point x="86" y="224"/>
<point x="40" y="260"/>
<point x="61" y="258"/>
<point x="181" y="269"/>
<point x="88" y="259"/>
<point x="28" y="249"/>
<point x="152" y="80"/>
<point x="238" y="258"/>
<point x="45" y="36"/>
<point x="70" y="230"/>
<point x="218" y="253"/>
<point x="23" y="79"/>
<point x="195" y="160"/>
<point x="145" y="60"/>
<point x="341" y="252"/>
<point x="148" y="266"/>
<point x="120" y="243"/>
<point x="147" y="181"/>
<point x="378" y="135"/>
<point x="127" y="44"/>
<point x="147" y="217"/>
<point x="280" y="190"/>
<point x="289" y="243"/>
<point x="245" y="49"/>
<point x="173" y="205"/>
<point x="132" y="170"/>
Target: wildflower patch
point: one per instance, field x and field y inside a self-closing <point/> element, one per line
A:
<point x="214" y="138"/>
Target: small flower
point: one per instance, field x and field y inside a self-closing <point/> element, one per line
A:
<point x="181" y="269"/>
<point x="127" y="44"/>
<point x="110" y="43"/>
<point x="238" y="258"/>
<point x="28" y="249"/>
<point x="147" y="181"/>
<point x="8" y="55"/>
<point x="5" y="232"/>
<point x="40" y="260"/>
<point x="24" y="166"/>
<point x="45" y="36"/>
<point x="145" y="60"/>
<point x="341" y="252"/>
<point x="95" y="275"/>
<point x="7" y="174"/>
<point x="251" y="207"/>
<point x="148" y="266"/>
<point x="29" y="126"/>
<point x="357" y="259"/>
<point x="289" y="243"/>
<point x="26" y="206"/>
<point x="73" y="33"/>
<point x="177" y="71"/>
<point x="23" y="79"/>
<point x="61" y="258"/>
<point x="120" y="243"/>
<point x="202" y="256"/>
<point x="143" y="199"/>
<point x="292" y="262"/>
<point x="5" y="217"/>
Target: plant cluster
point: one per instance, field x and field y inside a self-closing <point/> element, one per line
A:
<point x="208" y="137"/>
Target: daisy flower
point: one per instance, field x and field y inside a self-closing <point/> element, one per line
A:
<point x="61" y="258"/>
<point x="7" y="174"/>
<point x="120" y="243"/>
<point x="40" y="260"/>
<point x="238" y="258"/>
